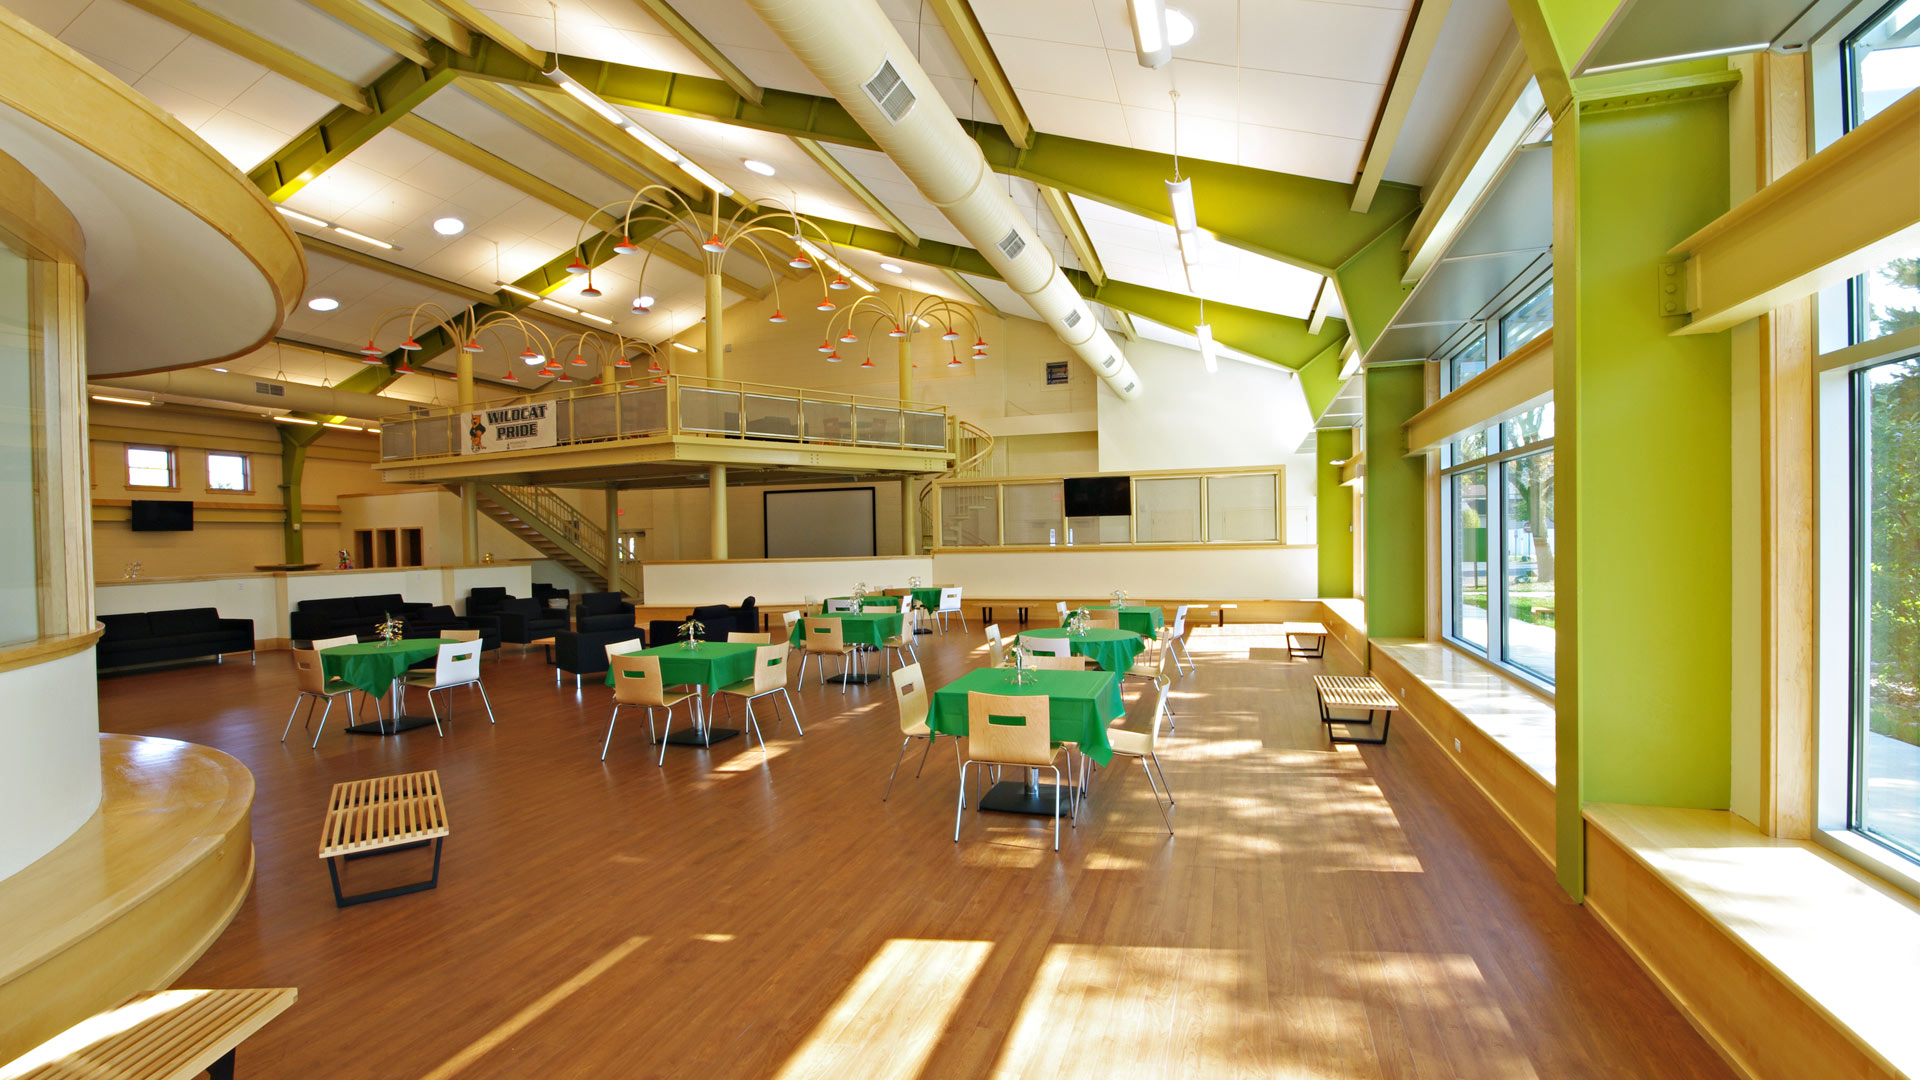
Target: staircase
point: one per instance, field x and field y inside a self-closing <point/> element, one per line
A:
<point x="971" y="447"/>
<point x="554" y="527"/>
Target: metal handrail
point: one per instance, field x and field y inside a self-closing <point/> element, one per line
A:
<point x="672" y="381"/>
<point x="544" y="502"/>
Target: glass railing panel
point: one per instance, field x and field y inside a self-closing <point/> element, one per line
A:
<point x="433" y="436"/>
<point x="927" y="430"/>
<point x="396" y="439"/>
<point x="831" y="421"/>
<point x="643" y="412"/>
<point x="594" y="417"/>
<point x="772" y="417"/>
<point x="715" y="411"/>
<point x="876" y="426"/>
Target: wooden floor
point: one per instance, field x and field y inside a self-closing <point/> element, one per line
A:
<point x="1322" y="913"/>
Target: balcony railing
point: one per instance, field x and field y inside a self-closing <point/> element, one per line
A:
<point x="690" y="405"/>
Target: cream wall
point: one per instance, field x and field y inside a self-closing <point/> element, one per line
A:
<point x="50" y="774"/>
<point x="1185" y="418"/>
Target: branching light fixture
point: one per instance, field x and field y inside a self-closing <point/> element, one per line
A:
<point x="900" y="319"/>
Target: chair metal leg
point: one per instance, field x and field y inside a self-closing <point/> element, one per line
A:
<point x="323" y="722"/>
<point x="923" y="756"/>
<point x="477" y="685"/>
<point x="299" y="700"/>
<point x="1148" y="769"/>
<point x="663" y="735"/>
<point x="791" y="712"/>
<point x="755" y="725"/>
<point x="1162" y="770"/>
<point x="960" y="808"/>
<point x="650" y="736"/>
<point x="436" y="714"/>
<point x="1056" y="806"/>
<point x="612" y="721"/>
<point x="896" y="767"/>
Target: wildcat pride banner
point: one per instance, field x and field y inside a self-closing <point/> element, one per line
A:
<point x="512" y="427"/>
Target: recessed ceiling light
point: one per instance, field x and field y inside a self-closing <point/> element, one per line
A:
<point x="323" y="303"/>
<point x="1179" y="27"/>
<point x="760" y="167"/>
<point x="892" y="268"/>
<point x="449" y="226"/>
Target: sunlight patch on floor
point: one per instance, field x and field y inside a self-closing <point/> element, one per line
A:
<point x="889" y="1019"/>
<point x="518" y="1021"/>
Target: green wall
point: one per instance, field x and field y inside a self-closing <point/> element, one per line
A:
<point x="1333" y="514"/>
<point x="1396" y="504"/>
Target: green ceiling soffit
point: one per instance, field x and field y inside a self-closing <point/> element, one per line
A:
<point x="1556" y="34"/>
<point x="1369" y="281"/>
<point x="1282" y="339"/>
<point x="1320" y="379"/>
<point x="1297" y="219"/>
<point x="542" y="279"/>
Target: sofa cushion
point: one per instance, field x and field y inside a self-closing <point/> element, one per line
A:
<point x="712" y="612"/>
<point x="184" y="621"/>
<point x="602" y="603"/>
<point x="384" y="603"/>
<point x="132" y="626"/>
<point x="330" y="607"/>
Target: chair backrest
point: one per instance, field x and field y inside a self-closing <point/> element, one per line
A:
<point x="1050" y="662"/>
<point x="840" y="604"/>
<point x="824" y="635"/>
<point x="308" y="672"/>
<point x="460" y="635"/>
<point x="636" y="680"/>
<point x="1058" y="646"/>
<point x="1160" y="665"/>
<point x="950" y="599"/>
<point x="1009" y="729"/>
<point x="1180" y="621"/>
<point x="996" y="654"/>
<point x="910" y="693"/>
<point x="1106" y="620"/>
<point x="1061" y="607"/>
<point x="906" y="604"/>
<point x="739" y="638"/>
<point x="459" y="661"/>
<point x="769" y="667"/>
<point x="1159" y="712"/>
<point x="993" y="633"/>
<point x="788" y="620"/>
<point x="328" y="643"/>
<point x="617" y="648"/>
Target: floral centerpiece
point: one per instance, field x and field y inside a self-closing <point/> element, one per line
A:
<point x="389" y="629"/>
<point x="859" y="595"/>
<point x="1021" y="672"/>
<point x="690" y="632"/>
<point x="1079" y="621"/>
<point x="913" y="582"/>
<point x="1119" y="598"/>
<point x="133" y="571"/>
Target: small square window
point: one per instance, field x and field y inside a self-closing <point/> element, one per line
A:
<point x="150" y="467"/>
<point x="229" y="472"/>
<point x="1057" y="373"/>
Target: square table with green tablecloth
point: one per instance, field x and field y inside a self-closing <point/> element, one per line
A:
<point x="708" y="668"/>
<point x="1080" y="704"/>
<point x="866" y="628"/>
<point x="375" y="667"/>
<point x="1113" y="650"/>
<point x="1145" y="621"/>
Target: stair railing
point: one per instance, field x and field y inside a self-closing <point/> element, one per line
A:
<point x="972" y="445"/>
<point x="561" y="521"/>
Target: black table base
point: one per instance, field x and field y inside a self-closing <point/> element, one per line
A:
<point x="394" y="725"/>
<point x="690" y="737"/>
<point x="848" y="678"/>
<point x="1014" y="797"/>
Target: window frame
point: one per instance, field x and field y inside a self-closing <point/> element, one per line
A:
<point x="173" y="467"/>
<point x="246" y="472"/>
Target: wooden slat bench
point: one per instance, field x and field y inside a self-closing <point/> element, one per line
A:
<point x="1354" y="692"/>
<point x="1315" y="651"/>
<point x="383" y="814"/>
<point x="164" y="1035"/>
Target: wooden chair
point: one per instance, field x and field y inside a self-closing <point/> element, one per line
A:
<point x="900" y="644"/>
<point x="769" y="677"/>
<point x="1061" y="607"/>
<point x="621" y="648"/>
<point x="1179" y="640"/>
<point x="996" y="646"/>
<point x="328" y="643"/>
<point x="1105" y="620"/>
<point x="1015" y="731"/>
<point x="840" y="605"/>
<point x="1145" y="746"/>
<point x="457" y="664"/>
<point x="1050" y="646"/>
<point x="383" y="814"/>
<point x="823" y="638"/>
<point x="910" y="694"/>
<point x="950" y="605"/>
<point x="1050" y="662"/>
<point x="315" y="687"/>
<point x="636" y="681"/>
<point x="1152" y="666"/>
<point x="738" y="638"/>
<point x="160" y="1034"/>
<point x="787" y="620"/>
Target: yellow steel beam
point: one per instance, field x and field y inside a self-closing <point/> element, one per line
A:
<point x="1845" y="211"/>
<point x="373" y="25"/>
<point x="623" y="146"/>
<point x="831" y="165"/>
<point x="434" y="22"/>
<point x="478" y="22"/>
<point x="1521" y="380"/>
<point x="556" y="131"/>
<point x="393" y="269"/>
<point x="1076" y="232"/>
<point x="707" y="51"/>
<point x="960" y="282"/>
<point x="249" y="45"/>
<point x="1416" y="48"/>
<point x="970" y="41"/>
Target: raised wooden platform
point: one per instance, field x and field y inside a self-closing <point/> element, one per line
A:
<point x="130" y="901"/>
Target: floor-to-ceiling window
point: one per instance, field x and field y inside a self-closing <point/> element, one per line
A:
<point x="1880" y="63"/>
<point x="1497" y="487"/>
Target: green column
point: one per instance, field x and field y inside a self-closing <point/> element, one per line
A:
<point x="1643" y="477"/>
<point x="1396" y="486"/>
<point x="1333" y="514"/>
<point x="293" y="463"/>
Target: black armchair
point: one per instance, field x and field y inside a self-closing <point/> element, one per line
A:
<point x="547" y="596"/>
<point x="585" y="653"/>
<point x="486" y="600"/>
<point x="603" y="611"/>
<point x="523" y="622"/>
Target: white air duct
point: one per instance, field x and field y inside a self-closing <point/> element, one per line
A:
<point x="207" y="385"/>
<point x="852" y="48"/>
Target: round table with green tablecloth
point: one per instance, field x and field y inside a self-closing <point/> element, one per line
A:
<point x="1143" y="620"/>
<point x="374" y="667"/>
<point x="892" y="603"/>
<point x="709" y="667"/>
<point x="867" y="628"/>
<point x="1080" y="704"/>
<point x="1113" y="650"/>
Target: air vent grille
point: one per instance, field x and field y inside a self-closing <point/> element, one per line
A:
<point x="1112" y="362"/>
<point x="268" y="389"/>
<point x="1130" y="387"/>
<point x="1011" y="245"/>
<point x="889" y="91"/>
<point x="1073" y="318"/>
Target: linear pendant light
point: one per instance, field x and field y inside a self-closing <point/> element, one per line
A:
<point x="577" y="90"/>
<point x="1149" y="21"/>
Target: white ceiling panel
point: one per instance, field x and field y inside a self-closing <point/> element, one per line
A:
<point x="1145" y="252"/>
<point x="1001" y="296"/>
<point x="1167" y="335"/>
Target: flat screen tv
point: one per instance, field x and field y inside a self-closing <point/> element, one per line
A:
<point x="1098" y="496"/>
<point x="162" y="515"/>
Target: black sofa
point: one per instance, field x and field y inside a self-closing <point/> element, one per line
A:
<point x="486" y="600"/>
<point x="585" y="652"/>
<point x="719" y="620"/>
<point x="602" y="611"/>
<point x="525" y="620"/>
<point x="334" y="616"/>
<point x="149" y="637"/>
<point x="434" y="620"/>
<point x="550" y="597"/>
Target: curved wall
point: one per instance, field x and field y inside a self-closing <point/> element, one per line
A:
<point x="49" y="754"/>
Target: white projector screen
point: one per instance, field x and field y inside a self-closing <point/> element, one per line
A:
<point x="824" y="523"/>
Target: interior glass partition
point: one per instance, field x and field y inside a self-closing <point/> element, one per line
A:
<point x="1240" y="506"/>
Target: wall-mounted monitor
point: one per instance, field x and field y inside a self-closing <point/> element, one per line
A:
<point x="162" y="515"/>
<point x="1097" y="496"/>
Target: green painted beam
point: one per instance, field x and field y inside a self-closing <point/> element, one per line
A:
<point x="393" y="94"/>
<point x="1396" y="489"/>
<point x="1320" y="378"/>
<point x="1369" y="281"/>
<point x="293" y="467"/>
<point x="1282" y="339"/>
<point x="1556" y="35"/>
<point x="1333" y="513"/>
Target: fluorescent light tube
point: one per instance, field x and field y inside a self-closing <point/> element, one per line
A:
<point x="651" y="141"/>
<point x="343" y="427"/>
<point x="1207" y="354"/>
<point x="705" y="177"/>
<point x="569" y="309"/>
<point x="363" y="238"/>
<point x="1149" y="20"/>
<point x="586" y="97"/>
<point x="119" y="400"/>
<point x="684" y="347"/>
<point x="308" y="218"/>
<point x="297" y="420"/>
<point x="1180" y="195"/>
<point x="517" y="290"/>
<point x="601" y="319"/>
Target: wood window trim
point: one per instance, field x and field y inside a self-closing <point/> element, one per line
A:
<point x="173" y="467"/>
<point x="246" y="467"/>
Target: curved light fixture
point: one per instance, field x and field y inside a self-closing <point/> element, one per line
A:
<point x="849" y="337"/>
<point x="892" y="268"/>
<point x="777" y="317"/>
<point x="825" y="304"/>
<point x="449" y="226"/>
<point x="323" y="303"/>
<point x="868" y="362"/>
<point x="833" y="357"/>
<point x="756" y="166"/>
<point x="626" y="246"/>
<point x="713" y="244"/>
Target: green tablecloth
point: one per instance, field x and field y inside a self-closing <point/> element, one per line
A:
<point x="1113" y="650"/>
<point x="372" y="666"/>
<point x="713" y="665"/>
<point x="1081" y="704"/>
<point x="929" y="598"/>
<point x="891" y="602"/>
<point x="1145" y="621"/>
<point x="867" y="628"/>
